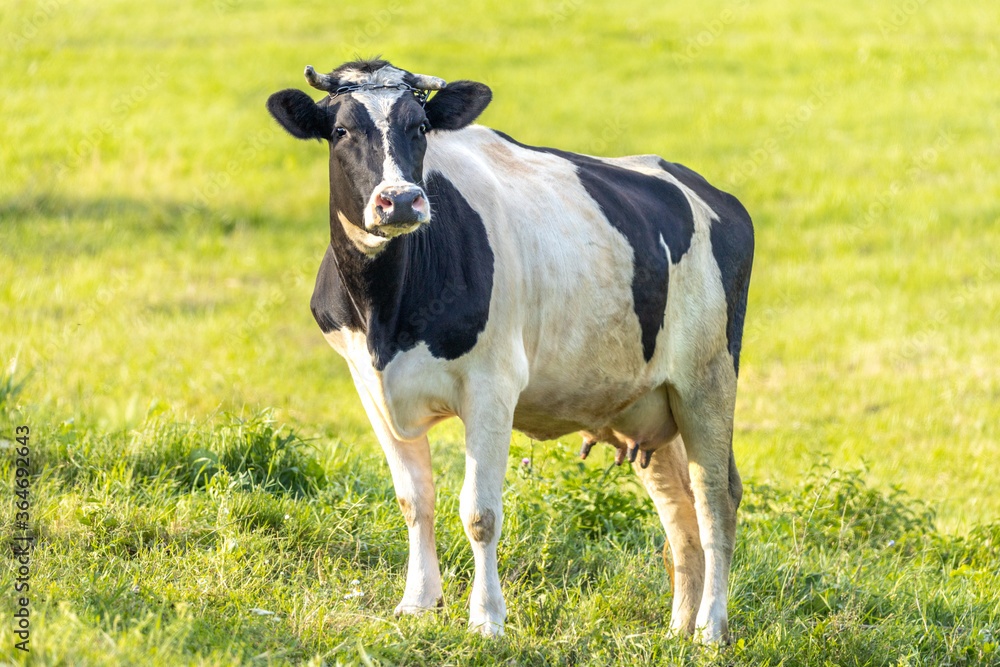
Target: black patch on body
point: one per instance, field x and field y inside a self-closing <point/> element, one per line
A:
<point x="432" y="286"/>
<point x="643" y="209"/>
<point x="732" y="246"/>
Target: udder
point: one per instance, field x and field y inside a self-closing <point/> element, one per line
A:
<point x="638" y="430"/>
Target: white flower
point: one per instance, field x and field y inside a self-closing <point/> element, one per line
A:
<point x="261" y="612"/>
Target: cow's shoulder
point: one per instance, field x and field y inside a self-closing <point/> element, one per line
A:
<point x="331" y="303"/>
<point x="732" y="239"/>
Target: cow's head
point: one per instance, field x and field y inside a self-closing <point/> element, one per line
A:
<point x="376" y="120"/>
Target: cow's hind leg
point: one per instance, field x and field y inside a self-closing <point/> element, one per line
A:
<point x="703" y="407"/>
<point x="667" y="481"/>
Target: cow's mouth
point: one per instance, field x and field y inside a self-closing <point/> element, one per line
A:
<point x="392" y="229"/>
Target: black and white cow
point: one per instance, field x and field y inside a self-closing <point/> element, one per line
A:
<point x="519" y="287"/>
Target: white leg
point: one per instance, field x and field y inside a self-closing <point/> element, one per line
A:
<point x="410" y="464"/>
<point x="413" y="479"/>
<point x="487" y="443"/>
<point x="704" y="413"/>
<point x="667" y="481"/>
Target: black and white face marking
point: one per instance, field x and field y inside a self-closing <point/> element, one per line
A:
<point x="376" y="129"/>
<point x="377" y="146"/>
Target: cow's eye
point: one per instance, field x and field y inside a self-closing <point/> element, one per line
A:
<point x="425" y="127"/>
<point x="341" y="131"/>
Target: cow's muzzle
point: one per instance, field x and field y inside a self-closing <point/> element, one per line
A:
<point x="399" y="209"/>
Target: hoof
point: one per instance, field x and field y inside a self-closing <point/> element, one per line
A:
<point x="410" y="609"/>
<point x="486" y="628"/>
<point x="714" y="634"/>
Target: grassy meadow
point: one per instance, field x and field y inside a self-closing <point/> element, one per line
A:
<point x="204" y="484"/>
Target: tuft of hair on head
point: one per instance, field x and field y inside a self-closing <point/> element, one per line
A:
<point x="362" y="65"/>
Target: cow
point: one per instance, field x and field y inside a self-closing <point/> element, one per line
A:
<point x="515" y="287"/>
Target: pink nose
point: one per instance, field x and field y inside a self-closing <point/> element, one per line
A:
<point x="400" y="198"/>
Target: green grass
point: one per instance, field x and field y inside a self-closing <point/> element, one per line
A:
<point x="159" y="237"/>
<point x="165" y="542"/>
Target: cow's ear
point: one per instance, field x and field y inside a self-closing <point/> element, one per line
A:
<point x="457" y="104"/>
<point x="297" y="113"/>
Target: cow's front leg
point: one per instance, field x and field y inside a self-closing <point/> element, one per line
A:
<point x="487" y="442"/>
<point x="413" y="480"/>
<point x="410" y="463"/>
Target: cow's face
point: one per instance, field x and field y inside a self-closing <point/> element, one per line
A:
<point x="377" y="129"/>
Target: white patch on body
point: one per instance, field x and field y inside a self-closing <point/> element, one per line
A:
<point x="666" y="251"/>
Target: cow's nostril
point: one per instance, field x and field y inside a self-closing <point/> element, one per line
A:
<point x="419" y="203"/>
<point x="383" y="203"/>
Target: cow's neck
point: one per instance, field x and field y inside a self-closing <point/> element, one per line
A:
<point x="374" y="284"/>
<point x="430" y="286"/>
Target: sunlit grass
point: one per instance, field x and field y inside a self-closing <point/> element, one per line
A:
<point x="237" y="540"/>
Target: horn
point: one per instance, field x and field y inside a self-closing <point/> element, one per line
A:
<point x="320" y="81"/>
<point x="424" y="82"/>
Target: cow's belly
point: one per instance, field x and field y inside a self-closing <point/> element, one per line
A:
<point x="647" y="419"/>
<point x="416" y="391"/>
<point x="587" y="371"/>
<point x="597" y="381"/>
<point x="587" y="403"/>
